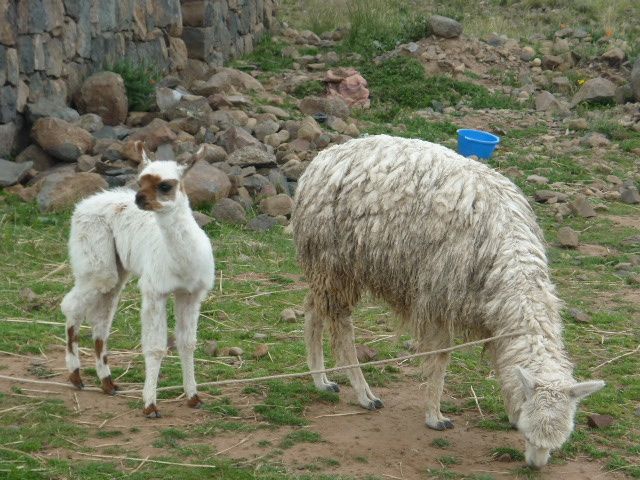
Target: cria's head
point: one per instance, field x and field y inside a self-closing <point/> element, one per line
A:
<point x="160" y="183"/>
<point x="546" y="416"/>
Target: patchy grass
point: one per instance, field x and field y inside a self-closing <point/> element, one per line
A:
<point x="139" y="82"/>
<point x="312" y="87"/>
<point x="300" y="436"/>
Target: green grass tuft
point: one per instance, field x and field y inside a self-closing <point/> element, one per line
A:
<point x="139" y="81"/>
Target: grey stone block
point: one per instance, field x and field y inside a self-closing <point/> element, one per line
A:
<point x="8" y="103"/>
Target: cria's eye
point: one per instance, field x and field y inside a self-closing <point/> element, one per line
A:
<point x="165" y="187"/>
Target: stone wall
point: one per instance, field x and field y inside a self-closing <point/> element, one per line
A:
<point x="47" y="47"/>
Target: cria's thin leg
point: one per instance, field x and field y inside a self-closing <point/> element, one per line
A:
<point x="187" y="313"/>
<point x="101" y="315"/>
<point x="154" y="346"/>
<point x="313" y="325"/>
<point x="74" y="306"/>
<point x="343" y="344"/>
<point x="434" y="369"/>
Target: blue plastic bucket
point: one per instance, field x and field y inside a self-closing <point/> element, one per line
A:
<point x="476" y="142"/>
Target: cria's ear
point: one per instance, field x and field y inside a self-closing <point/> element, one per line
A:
<point x="143" y="154"/>
<point x="186" y="165"/>
<point x="528" y="382"/>
<point x="584" y="389"/>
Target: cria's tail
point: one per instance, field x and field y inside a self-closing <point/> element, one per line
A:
<point x="93" y="254"/>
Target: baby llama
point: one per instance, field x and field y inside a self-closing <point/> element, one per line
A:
<point x="151" y="234"/>
<point x="453" y="247"/>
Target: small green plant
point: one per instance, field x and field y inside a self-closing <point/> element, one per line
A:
<point x="139" y="82"/>
<point x="441" y="442"/>
<point x="267" y="56"/>
<point x="221" y="407"/>
<point x="507" y="453"/>
<point x="312" y="87"/>
<point x="448" y="460"/>
<point x="300" y="436"/>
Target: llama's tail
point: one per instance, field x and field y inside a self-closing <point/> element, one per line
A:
<point x="93" y="253"/>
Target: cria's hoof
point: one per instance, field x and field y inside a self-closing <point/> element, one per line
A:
<point x="443" y="425"/>
<point x="332" y="387"/>
<point x="75" y="379"/>
<point x="373" y="405"/>
<point x="151" y="411"/>
<point x="195" y="402"/>
<point x="378" y="403"/>
<point x="108" y="386"/>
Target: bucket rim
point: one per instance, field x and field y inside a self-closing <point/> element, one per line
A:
<point x="494" y="138"/>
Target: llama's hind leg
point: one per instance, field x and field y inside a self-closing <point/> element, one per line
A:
<point x="102" y="317"/>
<point x="187" y="313"/>
<point x="154" y="346"/>
<point x="313" y="326"/>
<point x="434" y="369"/>
<point x="74" y="306"/>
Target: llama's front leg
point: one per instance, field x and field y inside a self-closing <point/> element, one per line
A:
<point x="313" y="325"/>
<point x="154" y="346"/>
<point x="434" y="369"/>
<point x="187" y="313"/>
<point x="343" y="344"/>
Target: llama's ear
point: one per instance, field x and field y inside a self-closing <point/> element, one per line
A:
<point x="584" y="389"/>
<point x="528" y="382"/>
<point x="145" y="161"/>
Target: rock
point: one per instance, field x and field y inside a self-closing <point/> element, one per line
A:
<point x="211" y="153"/>
<point x="347" y="84"/>
<point x="280" y="204"/>
<point x="331" y="106"/>
<point x="595" y="140"/>
<point x="30" y="299"/>
<point x="544" y="196"/>
<point x="537" y="179"/>
<point x="259" y="336"/>
<point x="201" y="219"/>
<point x="277" y="139"/>
<point x="234" y="138"/>
<point x="265" y="128"/>
<point x="309" y="129"/>
<point x="87" y="163"/>
<point x="579" y="316"/>
<point x="614" y="56"/>
<point x="596" y="420"/>
<point x="288" y="315"/>
<point x="211" y="348"/>
<point x="262" y="350"/>
<point x="623" y="94"/>
<point x="551" y="62"/>
<point x="61" y="139"/>
<point x="581" y="206"/>
<point x="227" y="210"/>
<point x="527" y="54"/>
<point x="365" y="353"/>
<point x="104" y="93"/>
<point x="444" y="27"/>
<point x="578" y="124"/>
<point x="236" y="352"/>
<point x="12" y="172"/>
<point x="41" y="160"/>
<point x="153" y="135"/>
<point x="293" y="169"/>
<point x="568" y="237"/>
<point x="91" y="122"/>
<point x="48" y="107"/>
<point x="167" y="98"/>
<point x="635" y="79"/>
<point x="205" y="183"/>
<point x="629" y="194"/>
<point x="277" y="111"/>
<point x="596" y="90"/>
<point x="227" y="80"/>
<point x="62" y="190"/>
<point x="252" y="156"/>
<point x="262" y="223"/>
<point x="547" y="102"/>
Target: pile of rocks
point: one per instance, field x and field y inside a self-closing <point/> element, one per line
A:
<point x="247" y="152"/>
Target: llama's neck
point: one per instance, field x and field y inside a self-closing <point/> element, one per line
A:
<point x="180" y="232"/>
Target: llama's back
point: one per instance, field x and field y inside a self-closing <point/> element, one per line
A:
<point x="412" y="221"/>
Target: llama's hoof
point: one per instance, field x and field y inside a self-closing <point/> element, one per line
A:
<point x="195" y="402"/>
<point x="151" y="411"/>
<point x="378" y="403"/>
<point x="108" y="386"/>
<point x="441" y="425"/>
<point x="75" y="379"/>
<point x="332" y="387"/>
<point x="373" y="404"/>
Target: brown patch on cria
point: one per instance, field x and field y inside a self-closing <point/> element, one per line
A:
<point x="72" y="338"/>
<point x="195" y="402"/>
<point x="151" y="411"/>
<point x="121" y="207"/>
<point x="151" y="192"/>
<point x="104" y="359"/>
<point x="108" y="386"/>
<point x="99" y="347"/>
<point x="75" y="379"/>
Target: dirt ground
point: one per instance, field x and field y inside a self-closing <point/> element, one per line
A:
<point x="390" y="443"/>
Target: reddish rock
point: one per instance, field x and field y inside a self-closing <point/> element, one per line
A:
<point x="596" y="420"/>
<point x="104" y="94"/>
<point x="61" y="139"/>
<point x="205" y="183"/>
<point x="280" y="204"/>
<point x="61" y="191"/>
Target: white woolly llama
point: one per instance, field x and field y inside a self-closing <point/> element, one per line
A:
<point x="151" y="234"/>
<point x="453" y="247"/>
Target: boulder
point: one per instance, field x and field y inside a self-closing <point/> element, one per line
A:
<point x="234" y="138"/>
<point x="61" y="139"/>
<point x="40" y="159"/>
<point x="331" y="106"/>
<point x="445" y="27"/>
<point x="211" y="153"/>
<point x="568" y="237"/>
<point x="596" y="90"/>
<point x="581" y="207"/>
<point x="635" y="79"/>
<point x="205" y="183"/>
<point x="227" y="210"/>
<point x="251" y="156"/>
<point x="12" y="172"/>
<point x="227" y="80"/>
<point x="280" y="204"/>
<point x="262" y="223"/>
<point x="154" y="134"/>
<point x="547" y="102"/>
<point x="62" y="190"/>
<point x="104" y="93"/>
<point x="47" y="107"/>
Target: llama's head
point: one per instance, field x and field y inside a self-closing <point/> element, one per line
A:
<point x="160" y="183"/>
<point x="546" y="416"/>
